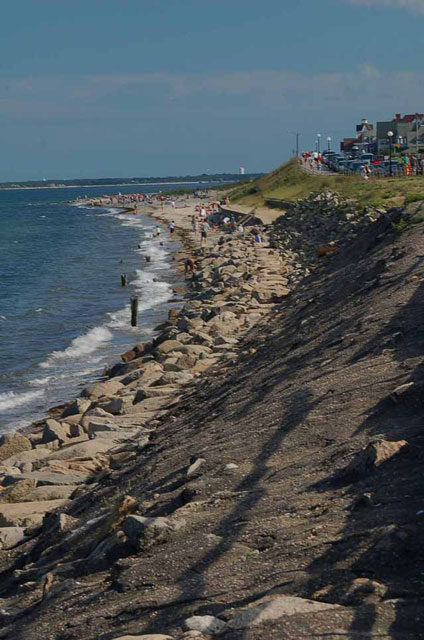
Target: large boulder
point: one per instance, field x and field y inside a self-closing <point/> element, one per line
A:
<point x="49" y="492"/>
<point x="26" y="456"/>
<point x="167" y="346"/>
<point x="144" y="532"/>
<point x="272" y="608"/>
<point x="13" y="443"/>
<point x="27" y="514"/>
<point x="18" y="491"/>
<point x="80" y="405"/>
<point x="83" y="450"/>
<point x="11" y="536"/>
<point x="54" y="430"/>
<point x="107" y="388"/>
<point x="41" y="478"/>
<point x="373" y="456"/>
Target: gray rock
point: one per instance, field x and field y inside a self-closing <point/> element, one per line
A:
<point x="27" y="514"/>
<point x="50" y="492"/>
<point x="54" y="430"/>
<point x="43" y="478"/>
<point x="272" y="608"/>
<point x="206" y="624"/>
<point x="194" y="469"/>
<point x="144" y="532"/>
<point x="149" y="636"/>
<point x="13" y="443"/>
<point x="11" y="536"/>
<point x="108" y="388"/>
<point x="80" y="405"/>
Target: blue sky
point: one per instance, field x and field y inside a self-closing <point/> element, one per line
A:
<point x="100" y="88"/>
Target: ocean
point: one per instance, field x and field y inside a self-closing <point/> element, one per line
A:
<point x="63" y="312"/>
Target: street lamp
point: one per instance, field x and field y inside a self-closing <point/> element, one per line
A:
<point x="319" y="142"/>
<point x="329" y="142"/>
<point x="390" y="135"/>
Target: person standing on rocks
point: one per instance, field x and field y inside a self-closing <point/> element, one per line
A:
<point x="171" y="227"/>
<point x="204" y="233"/>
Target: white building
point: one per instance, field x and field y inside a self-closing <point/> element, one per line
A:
<point x="241" y="171"/>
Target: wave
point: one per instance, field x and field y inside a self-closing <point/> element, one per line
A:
<point x="81" y="346"/>
<point x="10" y="399"/>
<point x="151" y="293"/>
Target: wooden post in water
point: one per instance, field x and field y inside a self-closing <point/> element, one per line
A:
<point x="124" y="279"/>
<point x="134" y="311"/>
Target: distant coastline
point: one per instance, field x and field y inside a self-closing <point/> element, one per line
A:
<point x="72" y="183"/>
<point x="120" y="184"/>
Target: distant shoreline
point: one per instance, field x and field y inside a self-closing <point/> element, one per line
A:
<point x="97" y="186"/>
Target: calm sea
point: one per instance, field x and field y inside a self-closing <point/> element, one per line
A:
<point x="63" y="312"/>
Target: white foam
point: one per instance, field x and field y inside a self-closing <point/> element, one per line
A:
<point x="81" y="346"/>
<point x="10" y="399"/>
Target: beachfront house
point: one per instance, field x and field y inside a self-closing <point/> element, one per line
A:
<point x="408" y="132"/>
<point x="363" y="142"/>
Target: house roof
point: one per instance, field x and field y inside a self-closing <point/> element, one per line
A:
<point x="410" y="117"/>
<point x="364" y="125"/>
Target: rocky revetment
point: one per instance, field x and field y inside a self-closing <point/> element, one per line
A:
<point x="254" y="471"/>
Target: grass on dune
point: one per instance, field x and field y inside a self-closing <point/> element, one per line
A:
<point x="289" y="182"/>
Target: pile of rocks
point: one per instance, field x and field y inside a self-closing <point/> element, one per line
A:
<point x="236" y="283"/>
<point x="319" y="220"/>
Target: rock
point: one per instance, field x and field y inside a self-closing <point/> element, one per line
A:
<point x="177" y="377"/>
<point x="149" y="636"/>
<point x="18" y="491"/>
<point x="167" y="346"/>
<point x="80" y="405"/>
<point x="27" y="456"/>
<point x="82" y="450"/>
<point x="154" y="392"/>
<point x="401" y="392"/>
<point x="146" y="375"/>
<point x="108" y="388"/>
<point x="144" y="532"/>
<point x="54" y="430"/>
<point x="206" y="624"/>
<point x="194" y="469"/>
<point x="356" y="592"/>
<point x="275" y="607"/>
<point x="42" y="478"/>
<point x="75" y="430"/>
<point x="373" y="456"/>
<point x="194" y="349"/>
<point x="230" y="466"/>
<point x="27" y="514"/>
<point x="50" y="492"/>
<point x="97" y="426"/>
<point x="13" y="443"/>
<point x="11" y="536"/>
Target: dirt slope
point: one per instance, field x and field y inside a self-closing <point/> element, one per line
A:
<point x="283" y="519"/>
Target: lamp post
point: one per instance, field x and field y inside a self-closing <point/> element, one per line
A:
<point x="329" y="143"/>
<point x="319" y="142"/>
<point x="390" y="136"/>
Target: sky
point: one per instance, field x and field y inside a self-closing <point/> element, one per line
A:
<point x="119" y="88"/>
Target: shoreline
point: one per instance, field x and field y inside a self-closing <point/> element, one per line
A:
<point x="125" y="405"/>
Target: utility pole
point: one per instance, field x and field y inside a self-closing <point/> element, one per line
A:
<point x="297" y="134"/>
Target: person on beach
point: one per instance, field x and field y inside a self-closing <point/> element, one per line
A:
<point x="171" y="227"/>
<point x="173" y="204"/>
<point x="194" y="226"/>
<point x="158" y="230"/>
<point x="188" y="266"/>
<point x="240" y="228"/>
<point x="258" y="238"/>
<point x="204" y="233"/>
